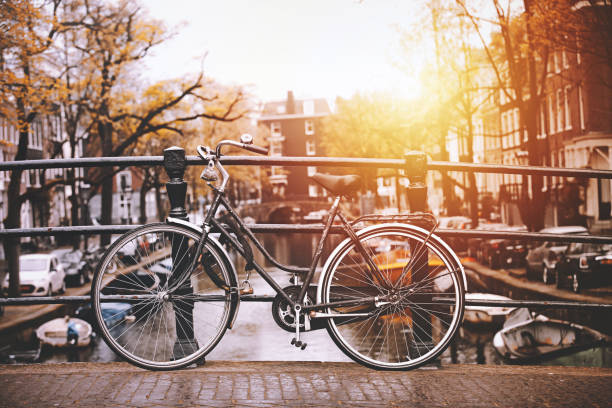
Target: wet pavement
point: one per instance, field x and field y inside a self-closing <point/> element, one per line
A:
<point x="301" y="384"/>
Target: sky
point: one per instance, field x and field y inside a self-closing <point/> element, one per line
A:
<point x="317" y="48"/>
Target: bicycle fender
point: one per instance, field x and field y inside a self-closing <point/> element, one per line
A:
<point x="235" y="298"/>
<point x="370" y="228"/>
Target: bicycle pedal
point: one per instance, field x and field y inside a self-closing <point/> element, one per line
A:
<point x="293" y="341"/>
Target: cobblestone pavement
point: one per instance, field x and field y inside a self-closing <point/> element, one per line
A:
<point x="303" y="384"/>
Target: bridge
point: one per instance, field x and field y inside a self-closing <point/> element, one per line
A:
<point x="250" y="383"/>
<point x="283" y="212"/>
<point x="302" y="384"/>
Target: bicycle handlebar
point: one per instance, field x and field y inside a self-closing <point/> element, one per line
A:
<point x="256" y="149"/>
<point x="205" y="152"/>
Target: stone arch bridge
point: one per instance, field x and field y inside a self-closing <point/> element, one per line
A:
<point x="283" y="212"/>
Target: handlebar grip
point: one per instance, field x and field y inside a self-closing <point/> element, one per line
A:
<point x="255" y="149"/>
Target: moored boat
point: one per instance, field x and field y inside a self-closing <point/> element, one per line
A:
<point x="538" y="338"/>
<point x="64" y="332"/>
<point x="486" y="315"/>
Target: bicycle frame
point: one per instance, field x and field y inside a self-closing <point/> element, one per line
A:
<point x="211" y="224"/>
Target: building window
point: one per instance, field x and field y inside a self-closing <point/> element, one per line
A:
<point x="310" y="148"/>
<point x="568" y="115"/>
<point x="556" y="62"/>
<point x="551" y="115"/>
<point x="2" y="176"/>
<point x="542" y="121"/>
<point x="275" y="129"/>
<point x="124" y="181"/>
<point x="311" y="171"/>
<point x="276" y="149"/>
<point x="276" y="171"/>
<point x="564" y="59"/>
<point x="559" y="110"/>
<point x="309" y="127"/>
<point x="517" y="128"/>
<point x="281" y="109"/>
<point x="581" y="107"/>
<point x="503" y="129"/>
<point x="312" y="190"/>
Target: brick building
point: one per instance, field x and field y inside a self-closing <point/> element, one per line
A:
<point x="294" y="131"/>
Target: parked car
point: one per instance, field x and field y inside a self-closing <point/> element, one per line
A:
<point x="584" y="265"/>
<point x="458" y="244"/>
<point x="77" y="270"/>
<point x="130" y="253"/>
<point x="113" y="314"/>
<point x="541" y="260"/>
<point x="39" y="275"/>
<point x="503" y="252"/>
<point x="474" y="245"/>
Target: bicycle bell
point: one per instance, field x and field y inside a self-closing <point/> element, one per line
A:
<point x="210" y="173"/>
<point x="246" y="139"/>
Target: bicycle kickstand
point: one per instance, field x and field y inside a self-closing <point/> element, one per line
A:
<point x="296" y="340"/>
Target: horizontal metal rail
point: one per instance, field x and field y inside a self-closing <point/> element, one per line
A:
<point x="253" y="298"/>
<point x="406" y="163"/>
<point x="56" y="300"/>
<point x="314" y="228"/>
<point x="309" y="161"/>
<point x="543" y="304"/>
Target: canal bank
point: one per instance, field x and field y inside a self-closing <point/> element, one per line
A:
<point x="19" y="322"/>
<point x="302" y="384"/>
<point x="513" y="284"/>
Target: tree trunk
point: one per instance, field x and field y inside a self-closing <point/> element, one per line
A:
<point x="529" y="115"/>
<point x="473" y="189"/>
<point x="105" y="130"/>
<point x="161" y="212"/>
<point x="74" y="210"/>
<point x="12" y="249"/>
<point x="144" y="189"/>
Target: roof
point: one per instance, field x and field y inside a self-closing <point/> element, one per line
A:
<point x="295" y="108"/>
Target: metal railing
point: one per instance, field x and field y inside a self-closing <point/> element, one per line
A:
<point x="414" y="166"/>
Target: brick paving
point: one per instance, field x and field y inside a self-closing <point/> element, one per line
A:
<point x="302" y="384"/>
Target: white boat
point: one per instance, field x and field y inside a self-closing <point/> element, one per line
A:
<point x="55" y="332"/>
<point x="486" y="315"/>
<point x="526" y="338"/>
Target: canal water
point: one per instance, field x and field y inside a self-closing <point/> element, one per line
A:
<point x="256" y="337"/>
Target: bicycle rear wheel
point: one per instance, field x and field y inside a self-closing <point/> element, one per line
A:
<point x="139" y="315"/>
<point x="414" y="317"/>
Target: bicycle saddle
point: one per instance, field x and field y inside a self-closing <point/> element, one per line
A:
<point x="339" y="185"/>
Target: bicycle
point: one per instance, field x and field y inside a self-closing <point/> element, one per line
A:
<point x="391" y="294"/>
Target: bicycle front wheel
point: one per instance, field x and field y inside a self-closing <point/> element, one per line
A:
<point x="146" y="312"/>
<point x="416" y="297"/>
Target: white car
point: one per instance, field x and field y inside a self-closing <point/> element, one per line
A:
<point x="40" y="275"/>
<point x="542" y="260"/>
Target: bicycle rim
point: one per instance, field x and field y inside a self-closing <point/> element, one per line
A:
<point x="137" y="315"/>
<point x="418" y="323"/>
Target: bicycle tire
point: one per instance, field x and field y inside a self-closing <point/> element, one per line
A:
<point x="411" y="330"/>
<point x="165" y="330"/>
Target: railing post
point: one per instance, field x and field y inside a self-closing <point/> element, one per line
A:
<point x="416" y="171"/>
<point x="175" y="165"/>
